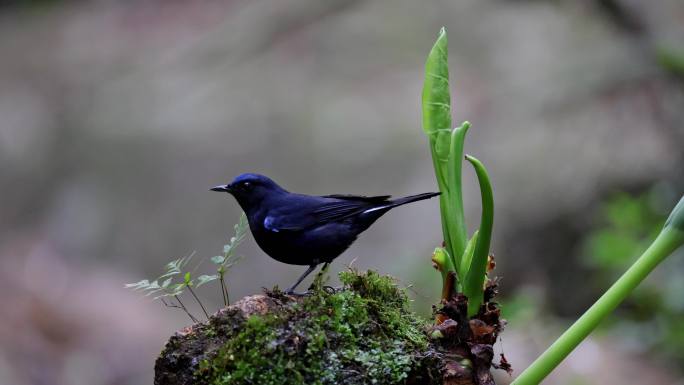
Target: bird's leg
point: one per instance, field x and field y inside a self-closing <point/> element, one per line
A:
<point x="319" y="277"/>
<point x="300" y="279"/>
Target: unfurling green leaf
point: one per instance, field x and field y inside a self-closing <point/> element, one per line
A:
<point x="436" y="106"/>
<point x="436" y="99"/>
<point x="187" y="279"/>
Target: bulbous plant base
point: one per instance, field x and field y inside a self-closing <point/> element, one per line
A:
<point x="361" y="334"/>
<point x="469" y="341"/>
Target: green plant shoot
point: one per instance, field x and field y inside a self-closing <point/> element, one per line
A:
<point x="670" y="239"/>
<point x="437" y="126"/>
<point x="446" y="146"/>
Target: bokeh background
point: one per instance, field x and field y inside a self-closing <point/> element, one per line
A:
<point x="117" y="117"/>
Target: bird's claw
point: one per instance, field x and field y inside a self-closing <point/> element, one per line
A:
<point x="330" y="289"/>
<point x="296" y="294"/>
<point x="311" y="291"/>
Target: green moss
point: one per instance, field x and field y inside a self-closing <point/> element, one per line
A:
<point x="365" y="331"/>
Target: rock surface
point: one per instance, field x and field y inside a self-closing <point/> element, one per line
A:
<point x="363" y="333"/>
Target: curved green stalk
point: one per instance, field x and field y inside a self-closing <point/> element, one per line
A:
<point x="456" y="219"/>
<point x="669" y="239"/>
<point x="474" y="282"/>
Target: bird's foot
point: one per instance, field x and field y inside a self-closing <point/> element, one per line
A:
<point x="311" y="291"/>
<point x="331" y="289"/>
<point x="297" y="294"/>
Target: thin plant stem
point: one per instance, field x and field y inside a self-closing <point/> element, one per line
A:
<point x="223" y="290"/>
<point x="198" y="301"/>
<point x="192" y="317"/>
<point x="666" y="243"/>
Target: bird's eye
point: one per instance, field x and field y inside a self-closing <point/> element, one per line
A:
<point x="247" y="185"/>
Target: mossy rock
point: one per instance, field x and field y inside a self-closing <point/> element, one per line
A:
<point x="361" y="334"/>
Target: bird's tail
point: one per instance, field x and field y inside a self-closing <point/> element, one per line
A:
<point x="412" y="198"/>
<point x="374" y="213"/>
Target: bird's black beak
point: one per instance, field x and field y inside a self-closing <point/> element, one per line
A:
<point x="221" y="188"/>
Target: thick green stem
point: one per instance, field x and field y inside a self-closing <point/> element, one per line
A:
<point x="443" y="198"/>
<point x="456" y="219"/>
<point x="666" y="243"/>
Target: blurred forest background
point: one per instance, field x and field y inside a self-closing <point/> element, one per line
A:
<point x="117" y="117"/>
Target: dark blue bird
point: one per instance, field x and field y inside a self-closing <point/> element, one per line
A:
<point x="303" y="229"/>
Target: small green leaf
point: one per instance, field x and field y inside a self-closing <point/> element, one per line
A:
<point x="166" y="283"/>
<point x="233" y="262"/>
<point x="172" y="268"/>
<point x="177" y="289"/>
<point x="138" y="285"/>
<point x="202" y="279"/>
<point x="187" y="279"/>
<point x="173" y="265"/>
<point x="219" y="259"/>
<point x="152" y="286"/>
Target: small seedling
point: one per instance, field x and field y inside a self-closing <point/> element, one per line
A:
<point x="228" y="259"/>
<point x="164" y="287"/>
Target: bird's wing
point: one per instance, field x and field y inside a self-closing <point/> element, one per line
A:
<point x="332" y="208"/>
<point x="360" y="198"/>
<point x="346" y="207"/>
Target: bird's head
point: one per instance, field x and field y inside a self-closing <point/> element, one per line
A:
<point x="250" y="189"/>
